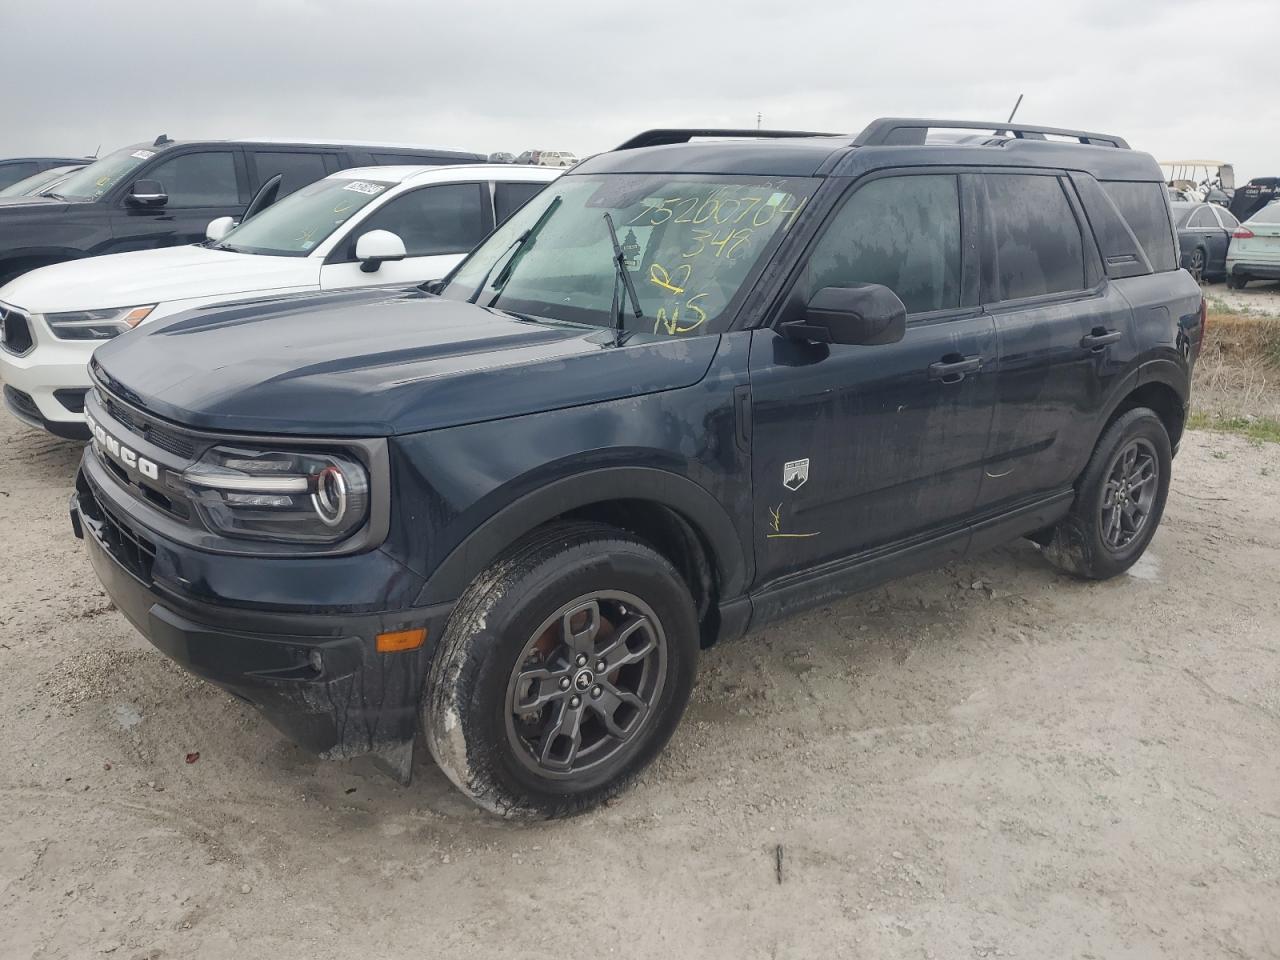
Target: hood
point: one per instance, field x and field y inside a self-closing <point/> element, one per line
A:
<point x="372" y="363"/>
<point x="156" y="276"/>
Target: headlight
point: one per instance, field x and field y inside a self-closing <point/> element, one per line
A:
<point x="96" y="324"/>
<point x="287" y="496"/>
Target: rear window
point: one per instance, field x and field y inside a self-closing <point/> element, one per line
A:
<point x="1268" y="214"/>
<point x="1146" y="209"/>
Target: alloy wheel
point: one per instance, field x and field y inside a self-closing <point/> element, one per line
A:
<point x="1129" y="494"/>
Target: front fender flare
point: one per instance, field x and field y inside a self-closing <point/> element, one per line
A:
<point x="698" y="507"/>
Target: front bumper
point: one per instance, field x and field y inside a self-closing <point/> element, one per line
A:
<point x="313" y="672"/>
<point x="51" y="379"/>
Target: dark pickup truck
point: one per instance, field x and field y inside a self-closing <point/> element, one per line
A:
<point x="164" y="194"/>
<point x="690" y="388"/>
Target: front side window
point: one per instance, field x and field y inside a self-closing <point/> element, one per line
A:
<point x="1039" y="247"/>
<point x="690" y="243"/>
<point x="510" y="197"/>
<point x="91" y="182"/>
<point x="900" y="232"/>
<point x="199" y="180"/>
<point x="296" y="225"/>
<point x="432" y="221"/>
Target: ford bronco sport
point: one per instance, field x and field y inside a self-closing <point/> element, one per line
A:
<point x="693" y="386"/>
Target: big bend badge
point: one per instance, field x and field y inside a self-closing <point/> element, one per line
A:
<point x="795" y="473"/>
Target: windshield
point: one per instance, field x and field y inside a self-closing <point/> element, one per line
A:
<point x="296" y="225"/>
<point x="1268" y="214"/>
<point x="691" y="243"/>
<point x="91" y="182"/>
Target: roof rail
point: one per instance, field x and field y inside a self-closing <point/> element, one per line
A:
<point x="660" y="137"/>
<point x="904" y="131"/>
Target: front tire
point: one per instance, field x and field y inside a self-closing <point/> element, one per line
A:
<point x="1119" y="501"/>
<point x="563" y="672"/>
<point x="1198" y="262"/>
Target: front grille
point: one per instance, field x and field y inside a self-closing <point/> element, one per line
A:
<point x="22" y="402"/>
<point x="15" y="331"/>
<point x="135" y="552"/>
<point x="151" y="430"/>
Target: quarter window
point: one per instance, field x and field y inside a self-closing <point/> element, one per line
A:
<point x="900" y="232"/>
<point x="1144" y="207"/>
<point x="1039" y="248"/>
<point x="448" y="218"/>
<point x="1228" y="221"/>
<point x="199" y="180"/>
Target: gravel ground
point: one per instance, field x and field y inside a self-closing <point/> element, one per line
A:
<point x="990" y="760"/>
<point x="1258" y="297"/>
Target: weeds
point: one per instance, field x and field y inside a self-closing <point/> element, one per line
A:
<point x="1237" y="378"/>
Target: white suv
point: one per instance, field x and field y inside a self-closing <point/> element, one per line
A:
<point x="372" y="225"/>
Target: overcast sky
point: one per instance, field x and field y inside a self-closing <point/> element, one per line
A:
<point x="1178" y="78"/>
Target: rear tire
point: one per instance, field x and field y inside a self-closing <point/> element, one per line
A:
<point x="1120" y="499"/>
<point x="562" y="673"/>
<point x="1236" y="282"/>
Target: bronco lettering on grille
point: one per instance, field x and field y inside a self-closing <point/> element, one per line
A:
<point x="106" y="442"/>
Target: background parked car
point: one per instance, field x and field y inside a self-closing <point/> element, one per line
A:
<point x="1254" y="195"/>
<point x="501" y="156"/>
<point x="38" y="182"/>
<point x="548" y="158"/>
<point x="371" y="225"/>
<point x="1204" y="233"/>
<point x="19" y="168"/>
<point x="165" y="193"/>
<point x="1255" y="248"/>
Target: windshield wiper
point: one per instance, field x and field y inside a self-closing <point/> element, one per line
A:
<point x="52" y="195"/>
<point x="620" y="272"/>
<point x="521" y="245"/>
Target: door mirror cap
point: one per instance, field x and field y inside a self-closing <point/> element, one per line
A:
<point x="148" y="193"/>
<point x="376" y="247"/>
<point x="865" y="314"/>
<point x="217" y="229"/>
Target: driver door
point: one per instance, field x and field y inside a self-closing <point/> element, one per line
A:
<point x="856" y="449"/>
<point x="439" y="224"/>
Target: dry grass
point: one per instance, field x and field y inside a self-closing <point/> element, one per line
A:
<point x="1237" y="379"/>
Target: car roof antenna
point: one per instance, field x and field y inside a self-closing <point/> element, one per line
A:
<point x="162" y="140"/>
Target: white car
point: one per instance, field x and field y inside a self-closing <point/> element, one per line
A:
<point x="372" y="225"/>
<point x="1254" y="253"/>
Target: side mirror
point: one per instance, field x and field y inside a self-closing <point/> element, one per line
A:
<point x="865" y="314"/>
<point x="377" y="246"/>
<point x="148" y="193"/>
<point x="217" y="229"/>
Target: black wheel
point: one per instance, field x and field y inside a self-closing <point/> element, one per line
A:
<point x="1119" y="499"/>
<point x="1197" y="264"/>
<point x="564" y="670"/>
<point x="1236" y="282"/>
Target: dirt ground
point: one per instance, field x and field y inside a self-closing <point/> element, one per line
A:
<point x="990" y="760"/>
<point x="1258" y="297"/>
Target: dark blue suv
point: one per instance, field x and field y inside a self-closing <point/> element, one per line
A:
<point x="690" y="388"/>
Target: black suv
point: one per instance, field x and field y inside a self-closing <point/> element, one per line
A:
<point x="690" y="388"/>
<point x="164" y="194"/>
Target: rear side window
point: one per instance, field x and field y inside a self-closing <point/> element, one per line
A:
<point x="299" y="169"/>
<point x="1145" y="207"/>
<point x="1039" y="249"/>
<point x="510" y="197"/>
<point x="901" y="232"/>
<point x="448" y="218"/>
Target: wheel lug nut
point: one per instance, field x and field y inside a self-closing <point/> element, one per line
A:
<point x="564" y="683"/>
<point x="575" y="701"/>
<point x="595" y="693"/>
<point x="582" y="659"/>
<point x="600" y="666"/>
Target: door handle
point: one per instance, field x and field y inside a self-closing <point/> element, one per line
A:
<point x="952" y="368"/>
<point x="1099" y="338"/>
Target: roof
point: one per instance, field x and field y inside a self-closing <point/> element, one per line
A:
<point x="331" y="144"/>
<point x="887" y="142"/>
